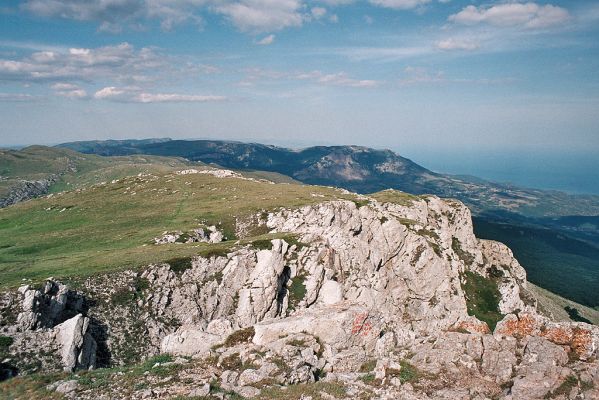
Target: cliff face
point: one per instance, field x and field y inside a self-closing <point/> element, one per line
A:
<point x="388" y="298"/>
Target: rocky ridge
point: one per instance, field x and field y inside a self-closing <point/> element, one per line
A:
<point x="377" y="299"/>
<point x="25" y="190"/>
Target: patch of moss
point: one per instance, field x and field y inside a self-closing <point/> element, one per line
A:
<point x="370" y="379"/>
<point x="565" y="388"/>
<point x="368" y="366"/>
<point x="297" y="291"/>
<point x="264" y="244"/>
<point x="429" y="233"/>
<point x="241" y="336"/>
<point x="5" y="342"/>
<point x="297" y="343"/>
<point x="180" y="264"/>
<point x="217" y="276"/>
<point x="315" y="390"/>
<point x="232" y="362"/>
<point x="293" y="240"/>
<point x="436" y="248"/>
<point x="408" y="372"/>
<point x="215" y="251"/>
<point x="361" y="203"/>
<point x="482" y="298"/>
<point x="465" y="256"/>
<point x="183" y="238"/>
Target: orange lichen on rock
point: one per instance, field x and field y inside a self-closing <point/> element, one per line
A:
<point x="524" y="325"/>
<point x="558" y="334"/>
<point x="582" y="342"/>
<point x="472" y="327"/>
<point x="579" y="340"/>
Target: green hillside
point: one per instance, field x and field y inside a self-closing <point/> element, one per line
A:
<point x="110" y="226"/>
<point x="73" y="169"/>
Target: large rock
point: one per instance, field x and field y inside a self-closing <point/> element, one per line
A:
<point x="78" y="347"/>
<point x="189" y="342"/>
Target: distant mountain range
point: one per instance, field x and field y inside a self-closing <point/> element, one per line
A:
<point x="359" y="169"/>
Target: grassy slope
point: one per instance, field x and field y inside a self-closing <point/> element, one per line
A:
<point x="555" y="305"/>
<point x="110" y="226"/>
<point x="39" y="162"/>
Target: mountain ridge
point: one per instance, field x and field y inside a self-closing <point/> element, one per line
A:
<point x="360" y="169"/>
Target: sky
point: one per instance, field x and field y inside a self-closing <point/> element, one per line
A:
<point x="431" y="79"/>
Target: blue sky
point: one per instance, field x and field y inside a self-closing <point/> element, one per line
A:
<point x="417" y="76"/>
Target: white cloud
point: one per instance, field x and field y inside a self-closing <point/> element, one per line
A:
<point x="337" y="2"/>
<point x="380" y="53"/>
<point x="528" y="15"/>
<point x="457" y="44"/>
<point x="64" y="86"/>
<point x="318" y="12"/>
<point x="399" y="4"/>
<point x="112" y="14"/>
<point x="136" y="95"/>
<point x="73" y="94"/>
<point x="263" y="15"/>
<point x="105" y="10"/>
<point x="334" y="18"/>
<point x="122" y="63"/>
<point x="69" y="90"/>
<point x="17" y="97"/>
<point x="341" y="79"/>
<point x="252" y="16"/>
<point x="416" y="75"/>
<point x="338" y="79"/>
<point x="266" y="40"/>
<point x="175" y="98"/>
<point x="110" y="92"/>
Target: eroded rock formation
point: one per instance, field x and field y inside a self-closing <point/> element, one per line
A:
<point x="383" y="285"/>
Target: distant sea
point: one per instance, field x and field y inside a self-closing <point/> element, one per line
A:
<point x="576" y="173"/>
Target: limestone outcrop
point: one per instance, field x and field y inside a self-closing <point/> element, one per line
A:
<point x="375" y="296"/>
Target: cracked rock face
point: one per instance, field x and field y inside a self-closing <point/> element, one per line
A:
<point x="381" y="284"/>
<point x="50" y="321"/>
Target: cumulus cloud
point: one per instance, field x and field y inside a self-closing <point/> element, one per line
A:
<point x="136" y="95"/>
<point x="252" y="16"/>
<point x="399" y="4"/>
<point x="111" y="92"/>
<point x="263" y="15"/>
<point x="121" y="62"/>
<point x="528" y="15"/>
<point x="457" y="44"/>
<point x="84" y="10"/>
<point x="113" y="13"/>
